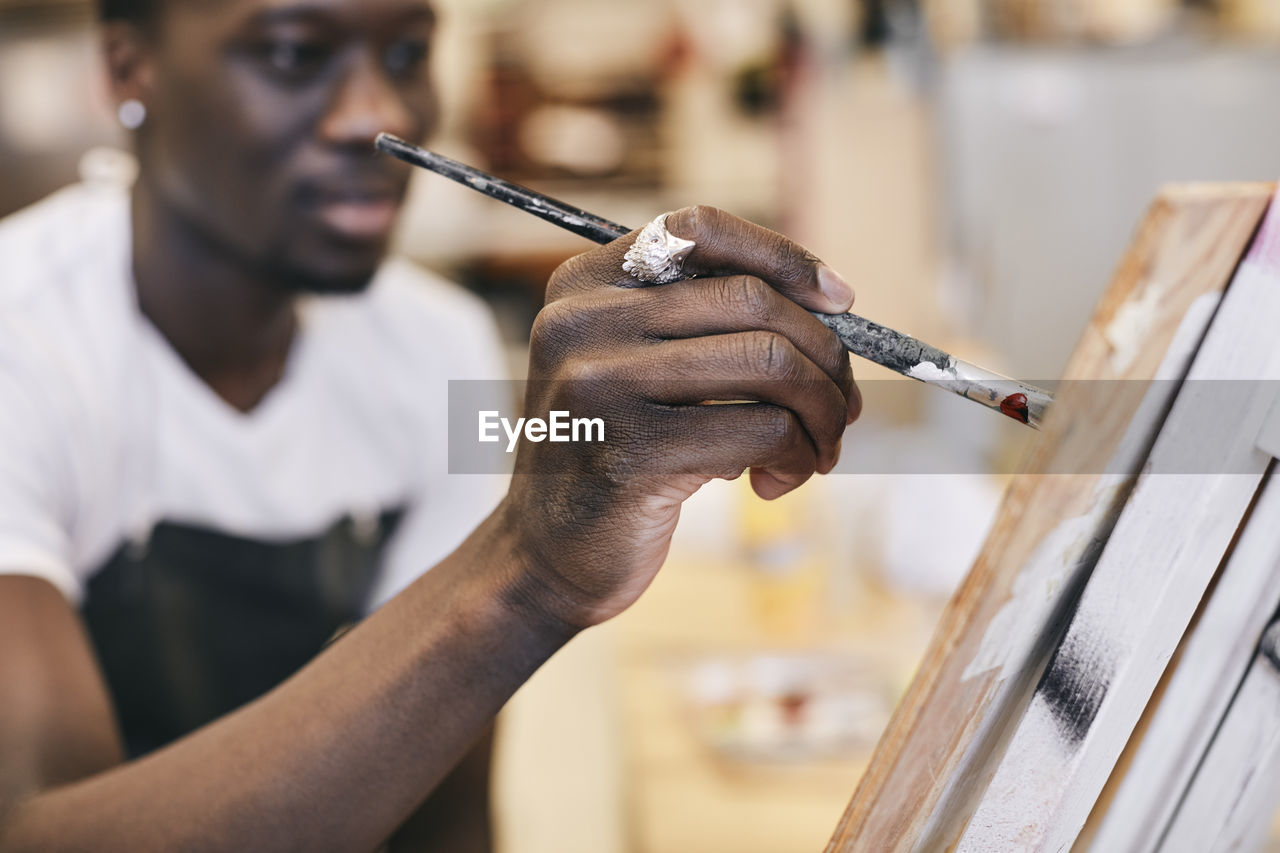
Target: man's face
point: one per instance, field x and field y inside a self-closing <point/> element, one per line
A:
<point x="261" y="125"/>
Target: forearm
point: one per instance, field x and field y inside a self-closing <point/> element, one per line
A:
<point x="337" y="757"/>
<point x="456" y="817"/>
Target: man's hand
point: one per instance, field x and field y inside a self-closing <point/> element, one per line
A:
<point x="595" y="520"/>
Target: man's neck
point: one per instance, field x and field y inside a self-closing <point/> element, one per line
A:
<point x="231" y="325"/>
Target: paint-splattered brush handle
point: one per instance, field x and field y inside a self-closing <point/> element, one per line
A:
<point x="915" y="358"/>
<point x="884" y="346"/>
<point x="557" y="212"/>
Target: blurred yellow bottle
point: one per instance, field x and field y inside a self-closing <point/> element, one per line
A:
<point x="784" y="554"/>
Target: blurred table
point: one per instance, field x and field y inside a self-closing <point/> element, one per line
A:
<point x="681" y="795"/>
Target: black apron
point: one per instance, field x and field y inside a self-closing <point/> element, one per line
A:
<point x="196" y="623"/>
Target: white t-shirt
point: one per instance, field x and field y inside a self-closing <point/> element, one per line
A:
<point x="105" y="432"/>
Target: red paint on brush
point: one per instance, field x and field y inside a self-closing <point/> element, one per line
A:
<point x="793" y="706"/>
<point x="1015" y="406"/>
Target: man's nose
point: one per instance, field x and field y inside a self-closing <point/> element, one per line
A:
<point x="366" y="103"/>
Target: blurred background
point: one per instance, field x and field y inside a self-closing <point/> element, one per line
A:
<point x="974" y="167"/>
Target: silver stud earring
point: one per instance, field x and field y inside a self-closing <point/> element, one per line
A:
<point x="132" y="114"/>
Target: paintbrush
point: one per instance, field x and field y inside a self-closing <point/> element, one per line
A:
<point x="894" y="350"/>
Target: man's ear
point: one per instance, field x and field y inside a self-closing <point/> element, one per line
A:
<point x="127" y="53"/>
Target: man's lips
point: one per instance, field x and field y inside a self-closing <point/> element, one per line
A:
<point x="363" y="218"/>
<point x="363" y="211"/>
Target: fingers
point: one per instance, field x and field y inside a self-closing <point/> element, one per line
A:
<point x="723" y="305"/>
<point x="768" y="440"/>
<point x="593" y="323"/>
<point x="727" y="244"/>
<point x="759" y="366"/>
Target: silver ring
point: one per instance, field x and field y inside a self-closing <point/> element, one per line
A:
<point x="657" y="256"/>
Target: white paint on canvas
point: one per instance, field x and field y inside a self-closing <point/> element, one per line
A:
<point x="1131" y="325"/>
<point x="1014" y="629"/>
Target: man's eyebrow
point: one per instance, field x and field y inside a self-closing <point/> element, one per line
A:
<point x="412" y="13"/>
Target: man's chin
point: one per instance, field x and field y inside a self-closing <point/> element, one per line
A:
<point x="332" y="280"/>
<point x="329" y="266"/>
<point x="334" y="285"/>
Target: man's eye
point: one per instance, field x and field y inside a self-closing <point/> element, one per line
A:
<point x="295" y="58"/>
<point x="405" y="57"/>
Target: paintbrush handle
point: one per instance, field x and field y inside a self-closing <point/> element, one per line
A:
<point x="916" y="359"/>
<point x="556" y="212"/>
<point x="884" y="346"/>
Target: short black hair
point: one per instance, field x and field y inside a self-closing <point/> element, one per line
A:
<point x="135" y="11"/>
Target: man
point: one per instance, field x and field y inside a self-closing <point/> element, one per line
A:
<point x="219" y="405"/>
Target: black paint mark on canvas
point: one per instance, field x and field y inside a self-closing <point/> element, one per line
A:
<point x="1073" y="688"/>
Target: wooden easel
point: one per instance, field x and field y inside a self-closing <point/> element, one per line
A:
<point x="1031" y="724"/>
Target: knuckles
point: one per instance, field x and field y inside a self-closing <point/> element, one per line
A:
<point x="561" y="278"/>
<point x="747" y="297"/>
<point x="588" y="322"/>
<point x="594" y="269"/>
<point x="782" y="442"/>
<point x="794" y="263"/>
<point x="769" y="354"/>
<point x="584" y="375"/>
<point x="720" y="233"/>
<point x="836" y="362"/>
<point x="557" y="324"/>
<point x="705" y="225"/>
<point x="781" y="428"/>
<point x="701" y="221"/>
